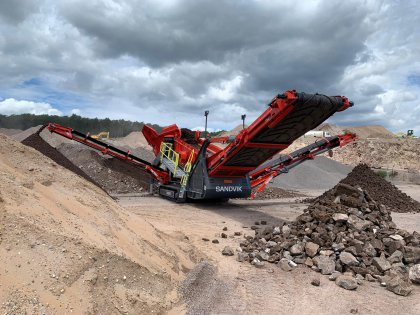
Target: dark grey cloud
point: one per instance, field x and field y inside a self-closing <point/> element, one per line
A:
<point x="144" y="59"/>
<point x="16" y="11"/>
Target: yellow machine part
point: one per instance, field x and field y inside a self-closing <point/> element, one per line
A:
<point x="102" y="134"/>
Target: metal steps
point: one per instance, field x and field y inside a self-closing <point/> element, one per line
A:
<point x="171" y="166"/>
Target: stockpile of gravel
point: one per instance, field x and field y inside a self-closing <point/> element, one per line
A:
<point x="113" y="175"/>
<point x="381" y="190"/>
<point x="321" y="173"/>
<point x="345" y="234"/>
<point x="276" y="193"/>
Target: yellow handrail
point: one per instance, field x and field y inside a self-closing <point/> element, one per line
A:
<point x="167" y="151"/>
<point x="187" y="169"/>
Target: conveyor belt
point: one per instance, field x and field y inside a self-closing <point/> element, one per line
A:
<point x="309" y="111"/>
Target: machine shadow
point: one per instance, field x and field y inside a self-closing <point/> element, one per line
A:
<point x="249" y="214"/>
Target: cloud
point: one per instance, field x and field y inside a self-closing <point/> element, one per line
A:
<point x="168" y="61"/>
<point x="11" y="106"/>
<point x="18" y="11"/>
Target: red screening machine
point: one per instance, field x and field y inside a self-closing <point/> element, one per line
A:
<point x="190" y="167"/>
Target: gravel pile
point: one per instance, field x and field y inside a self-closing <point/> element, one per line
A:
<point x="381" y="190"/>
<point x="112" y="175"/>
<point x="276" y="193"/>
<point x="321" y="173"/>
<point x="345" y="234"/>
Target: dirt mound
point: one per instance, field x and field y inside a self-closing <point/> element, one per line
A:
<point x="332" y="129"/>
<point x="234" y="132"/>
<point x="395" y="154"/>
<point x="381" y="190"/>
<point x="35" y="141"/>
<point x="134" y="139"/>
<point x="374" y="131"/>
<point x="52" y="139"/>
<point x="277" y="193"/>
<point x="67" y="247"/>
<point x="26" y="133"/>
<point x="344" y="231"/>
<point x="112" y="175"/>
<point x="363" y="132"/>
<point x="10" y="132"/>
<point x="320" y="173"/>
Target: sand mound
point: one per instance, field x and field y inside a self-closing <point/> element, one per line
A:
<point x="35" y="141"/>
<point x="393" y="154"/>
<point x="65" y="246"/>
<point x="320" y="173"/>
<point x="10" y="132"/>
<point x="234" y="132"/>
<point x="112" y="175"/>
<point x="134" y="139"/>
<point x="363" y="132"/>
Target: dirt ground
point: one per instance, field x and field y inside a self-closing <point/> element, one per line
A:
<point x="67" y="248"/>
<point x="239" y="288"/>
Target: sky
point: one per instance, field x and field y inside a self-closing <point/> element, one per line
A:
<point x="168" y="61"/>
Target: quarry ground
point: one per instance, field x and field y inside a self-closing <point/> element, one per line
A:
<point x="224" y="286"/>
<point x="67" y="248"/>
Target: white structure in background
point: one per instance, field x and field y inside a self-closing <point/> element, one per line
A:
<point x="317" y="133"/>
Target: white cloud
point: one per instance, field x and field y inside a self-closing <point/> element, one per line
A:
<point x="227" y="90"/>
<point x="75" y="111"/>
<point x="11" y="106"/>
<point x="209" y="129"/>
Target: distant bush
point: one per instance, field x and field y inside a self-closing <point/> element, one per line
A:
<point x="382" y="173"/>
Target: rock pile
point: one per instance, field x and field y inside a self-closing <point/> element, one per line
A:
<point x="381" y="190"/>
<point x="345" y="234"/>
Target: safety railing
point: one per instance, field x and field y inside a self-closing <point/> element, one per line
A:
<point x="187" y="169"/>
<point x="167" y="152"/>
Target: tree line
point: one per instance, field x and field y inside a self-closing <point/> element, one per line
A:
<point x="116" y="128"/>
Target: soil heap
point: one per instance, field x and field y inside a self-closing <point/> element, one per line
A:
<point x="344" y="231"/>
<point x="35" y="141"/>
<point x="363" y="132"/>
<point x="67" y="247"/>
<point x="381" y="190"/>
<point x="396" y="154"/>
<point x="112" y="175"/>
